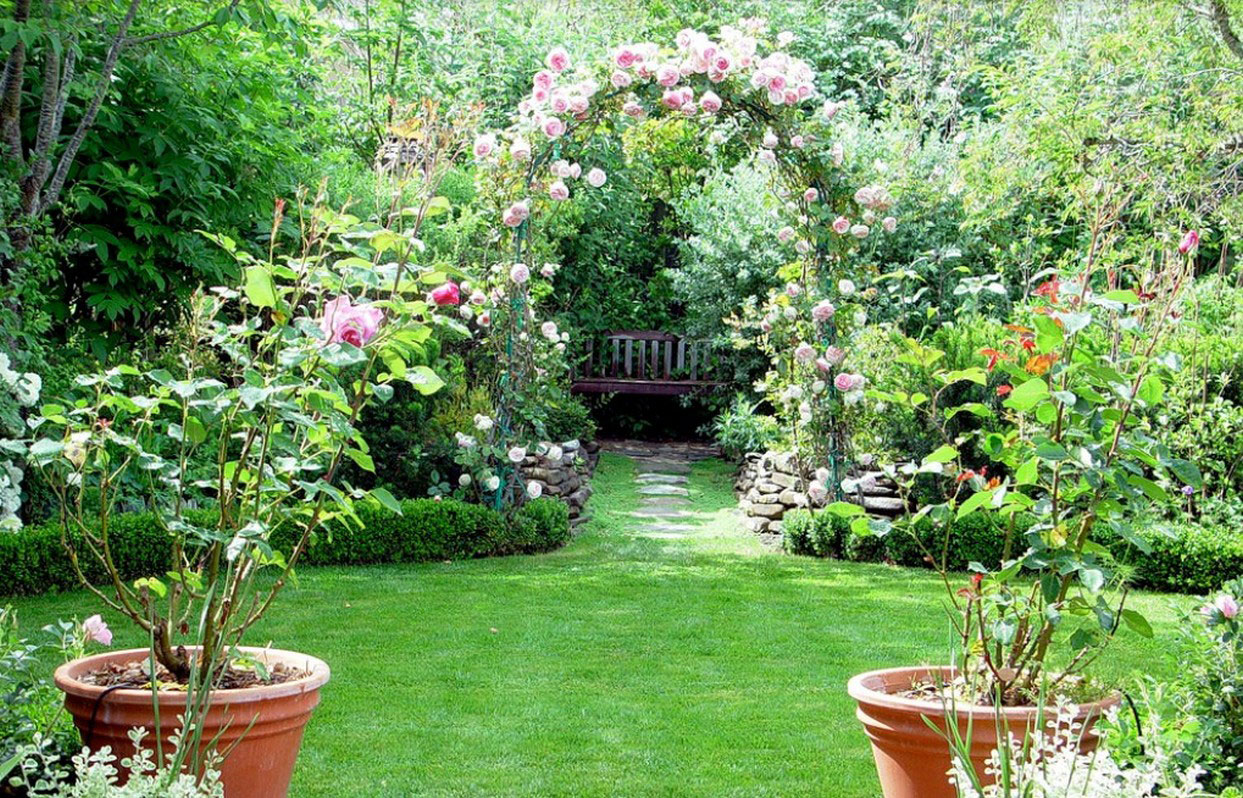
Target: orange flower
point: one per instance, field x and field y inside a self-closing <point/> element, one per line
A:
<point x="1004" y="390"/>
<point x="1019" y="328"/>
<point x="1039" y="365"/>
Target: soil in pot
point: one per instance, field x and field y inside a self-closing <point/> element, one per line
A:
<point x="913" y="760"/>
<point x="261" y="725"/>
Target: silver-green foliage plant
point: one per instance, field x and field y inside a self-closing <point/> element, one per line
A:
<point x="95" y="775"/>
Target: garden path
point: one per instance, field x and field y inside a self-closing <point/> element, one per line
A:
<point x="662" y="475"/>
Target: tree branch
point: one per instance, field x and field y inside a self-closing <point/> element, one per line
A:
<point x="173" y="34"/>
<point x="92" y="110"/>
<point x="1221" y="18"/>
<point x="11" y="91"/>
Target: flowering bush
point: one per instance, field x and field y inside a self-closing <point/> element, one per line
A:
<point x="746" y="90"/>
<point x="1080" y="364"/>
<point x="306" y="342"/>
<point x="17" y="391"/>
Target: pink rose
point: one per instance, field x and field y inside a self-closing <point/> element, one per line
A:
<point x="519" y="273"/>
<point x="798" y="142"/>
<point x="710" y="102"/>
<point x="777" y="83"/>
<point x="596" y="177"/>
<point x="785" y="234"/>
<point x="560" y="102"/>
<point x="94" y="629"/>
<point x="671" y="99"/>
<point x="485" y="318"/>
<point x="811" y="195"/>
<point x="540" y="95"/>
<point x="793" y="290"/>
<point x="549" y="330"/>
<point x="770" y="140"/>
<point x="843" y="382"/>
<point x="804" y="352"/>
<point x="578" y="104"/>
<point x="841" y="225"/>
<point x="1190" y="241"/>
<point x="575" y="170"/>
<point x="824" y="365"/>
<point x="353" y="324"/>
<point x="447" y="294"/>
<point x="632" y="109"/>
<point x="543" y="80"/>
<point x="889" y="223"/>
<point x="485" y="145"/>
<point x="560" y="168"/>
<point x="830" y="109"/>
<point x="516" y="214"/>
<point x="620" y="79"/>
<point x="860" y="230"/>
<point x="767" y="156"/>
<point x="548" y="270"/>
<point x="1225" y="604"/>
<point x="835" y="355"/>
<point x="558" y="59"/>
<point x="624" y="57"/>
<point x="559" y="191"/>
<point x="478" y="297"/>
<point x="823" y="311"/>
<point x="520" y="150"/>
<point x="553" y="127"/>
<point x="667" y="75"/>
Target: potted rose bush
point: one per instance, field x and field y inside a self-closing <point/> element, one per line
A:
<point x="1071" y="467"/>
<point x="295" y="353"/>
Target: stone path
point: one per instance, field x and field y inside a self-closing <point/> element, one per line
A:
<point x="666" y="510"/>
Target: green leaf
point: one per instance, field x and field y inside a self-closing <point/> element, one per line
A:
<point x="386" y="499"/>
<point x="1151" y="390"/>
<point x="196" y="433"/>
<point x="1048" y="334"/>
<point x="1150" y="488"/>
<point x="1052" y="451"/>
<point x="1137" y="623"/>
<point x="259" y="287"/>
<point x="944" y="454"/>
<point x="424" y="380"/>
<point x="1026" y="474"/>
<point x="1093" y="579"/>
<point x="1028" y="394"/>
<point x="974" y="502"/>
<point x="437" y="206"/>
<point x="1126" y="296"/>
<point x="843" y="509"/>
<point x="1187" y="471"/>
<point x="361" y="459"/>
<point x="974" y="408"/>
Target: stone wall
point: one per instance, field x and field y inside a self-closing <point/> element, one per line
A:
<point x="769" y="485"/>
<point x="566" y="478"/>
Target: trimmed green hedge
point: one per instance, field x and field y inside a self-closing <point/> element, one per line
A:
<point x="33" y="561"/>
<point x="1190" y="559"/>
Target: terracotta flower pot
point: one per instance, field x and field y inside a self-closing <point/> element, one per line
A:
<point x="260" y="765"/>
<point x="912" y="760"/>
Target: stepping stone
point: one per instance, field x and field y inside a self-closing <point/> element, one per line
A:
<point x="653" y="465"/>
<point x="665" y="501"/>
<point x="663" y="490"/>
<point x="667" y="479"/>
<point x="667" y="528"/>
<point x="661" y="511"/>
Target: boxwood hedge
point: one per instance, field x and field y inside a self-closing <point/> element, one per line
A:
<point x="1184" y="557"/>
<point x="32" y="560"/>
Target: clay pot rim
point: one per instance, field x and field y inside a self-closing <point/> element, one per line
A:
<point x="66" y="678"/>
<point x="860" y="691"/>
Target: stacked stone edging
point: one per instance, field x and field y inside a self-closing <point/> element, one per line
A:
<point x="769" y="485"/>
<point x="566" y="478"/>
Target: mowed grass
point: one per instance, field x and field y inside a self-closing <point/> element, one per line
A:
<point x="618" y="666"/>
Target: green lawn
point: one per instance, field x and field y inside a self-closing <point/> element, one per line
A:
<point x="619" y="665"/>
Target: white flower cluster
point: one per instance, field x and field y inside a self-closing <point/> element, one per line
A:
<point x="17" y="390"/>
<point x="1054" y="767"/>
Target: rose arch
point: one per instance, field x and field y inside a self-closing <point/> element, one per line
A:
<point x="749" y="95"/>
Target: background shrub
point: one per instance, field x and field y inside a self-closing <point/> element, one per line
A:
<point x="32" y="560"/>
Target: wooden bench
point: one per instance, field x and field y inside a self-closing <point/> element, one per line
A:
<point x="645" y="363"/>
